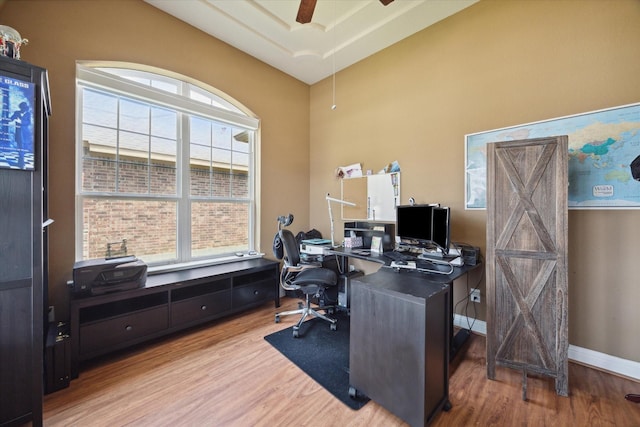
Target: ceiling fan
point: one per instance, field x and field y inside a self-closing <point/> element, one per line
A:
<point x="305" y="11"/>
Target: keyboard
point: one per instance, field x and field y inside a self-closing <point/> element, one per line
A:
<point x="411" y="262"/>
<point x="423" y="264"/>
<point x="397" y="256"/>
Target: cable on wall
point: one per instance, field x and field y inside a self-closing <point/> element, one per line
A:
<point x="333" y="58"/>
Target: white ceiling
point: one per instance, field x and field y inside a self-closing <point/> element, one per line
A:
<point x="353" y="29"/>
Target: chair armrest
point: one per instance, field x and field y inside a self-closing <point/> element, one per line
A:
<point x="290" y="272"/>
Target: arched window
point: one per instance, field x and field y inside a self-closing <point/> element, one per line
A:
<point x="165" y="168"/>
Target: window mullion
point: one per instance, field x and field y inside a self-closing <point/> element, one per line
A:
<point x="184" y="196"/>
<point x="149" y="158"/>
<point x="117" y="144"/>
<point x="253" y="173"/>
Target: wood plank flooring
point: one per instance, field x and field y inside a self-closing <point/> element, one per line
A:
<point x="225" y="374"/>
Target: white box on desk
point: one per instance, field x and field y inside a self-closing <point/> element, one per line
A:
<point x="314" y="249"/>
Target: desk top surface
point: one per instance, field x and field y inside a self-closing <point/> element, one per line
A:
<point x="407" y="283"/>
<point x="381" y="259"/>
<point x="364" y="254"/>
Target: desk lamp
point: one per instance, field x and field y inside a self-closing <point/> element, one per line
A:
<point x="342" y="202"/>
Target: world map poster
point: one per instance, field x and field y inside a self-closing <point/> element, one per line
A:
<point x="604" y="157"/>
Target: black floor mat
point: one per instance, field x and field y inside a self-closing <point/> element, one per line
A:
<point x="322" y="354"/>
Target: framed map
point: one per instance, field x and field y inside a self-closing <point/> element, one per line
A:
<point x="604" y="157"/>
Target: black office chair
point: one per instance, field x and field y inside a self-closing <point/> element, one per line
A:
<point x="311" y="280"/>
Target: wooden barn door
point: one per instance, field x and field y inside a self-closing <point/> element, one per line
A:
<point x="527" y="319"/>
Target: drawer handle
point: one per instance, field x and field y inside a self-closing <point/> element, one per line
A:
<point x="203" y="307"/>
<point x="128" y="328"/>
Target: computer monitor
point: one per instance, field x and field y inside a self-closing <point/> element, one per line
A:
<point x="424" y="226"/>
<point x="413" y="223"/>
<point x="440" y="228"/>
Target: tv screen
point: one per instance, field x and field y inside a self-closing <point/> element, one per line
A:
<point x="17" y="124"/>
<point x="413" y="223"/>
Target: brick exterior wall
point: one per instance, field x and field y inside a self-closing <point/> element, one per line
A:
<point x="149" y="226"/>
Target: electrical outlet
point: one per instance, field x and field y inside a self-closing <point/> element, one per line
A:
<point x="474" y="295"/>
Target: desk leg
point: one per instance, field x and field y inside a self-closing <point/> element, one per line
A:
<point x="457" y="340"/>
<point x="343" y="283"/>
<point x="344" y="264"/>
<point x="276" y="297"/>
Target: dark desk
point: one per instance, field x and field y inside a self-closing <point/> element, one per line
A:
<point x="457" y="340"/>
<point x="366" y="255"/>
<point x="402" y="336"/>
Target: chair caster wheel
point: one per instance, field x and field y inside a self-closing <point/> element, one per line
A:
<point x="353" y="393"/>
<point x="277" y="319"/>
<point x="296" y="333"/>
<point x="330" y="310"/>
<point x="447" y="406"/>
<point x="300" y="305"/>
<point x="334" y="326"/>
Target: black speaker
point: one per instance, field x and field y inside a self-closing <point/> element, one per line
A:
<point x="57" y="358"/>
<point x="635" y="168"/>
<point x="470" y="255"/>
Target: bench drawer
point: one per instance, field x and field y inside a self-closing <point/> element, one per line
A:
<point x="253" y="293"/>
<point x="201" y="307"/>
<point x="105" y="335"/>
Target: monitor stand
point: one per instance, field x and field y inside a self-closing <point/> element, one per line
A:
<point x="431" y="254"/>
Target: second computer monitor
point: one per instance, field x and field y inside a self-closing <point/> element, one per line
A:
<point x="440" y="227"/>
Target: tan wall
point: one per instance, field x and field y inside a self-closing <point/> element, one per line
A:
<point x="495" y="64"/>
<point x="63" y="32"/>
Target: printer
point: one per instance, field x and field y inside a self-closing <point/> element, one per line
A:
<point x="102" y="275"/>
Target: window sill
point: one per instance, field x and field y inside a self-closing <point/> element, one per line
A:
<point x="204" y="263"/>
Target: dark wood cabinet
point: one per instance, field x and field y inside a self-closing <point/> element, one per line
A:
<point x="169" y="302"/>
<point x="22" y="244"/>
<point x="399" y="346"/>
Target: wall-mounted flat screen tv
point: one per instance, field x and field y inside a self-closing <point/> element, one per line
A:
<point x="17" y="137"/>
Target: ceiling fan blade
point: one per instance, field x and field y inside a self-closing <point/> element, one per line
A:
<point x="385" y="2"/>
<point x="305" y="11"/>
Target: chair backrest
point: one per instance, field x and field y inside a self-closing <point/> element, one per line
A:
<point x="291" y="250"/>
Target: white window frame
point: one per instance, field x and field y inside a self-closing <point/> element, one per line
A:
<point x="230" y="111"/>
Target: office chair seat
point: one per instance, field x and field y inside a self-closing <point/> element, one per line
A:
<point x="312" y="281"/>
<point x="315" y="276"/>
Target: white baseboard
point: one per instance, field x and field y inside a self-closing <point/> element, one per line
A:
<point x="584" y="356"/>
<point x="477" y="326"/>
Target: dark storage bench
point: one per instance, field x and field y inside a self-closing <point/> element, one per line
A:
<point x="168" y="303"/>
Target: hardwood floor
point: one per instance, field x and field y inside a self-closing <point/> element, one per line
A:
<point x="226" y="374"/>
